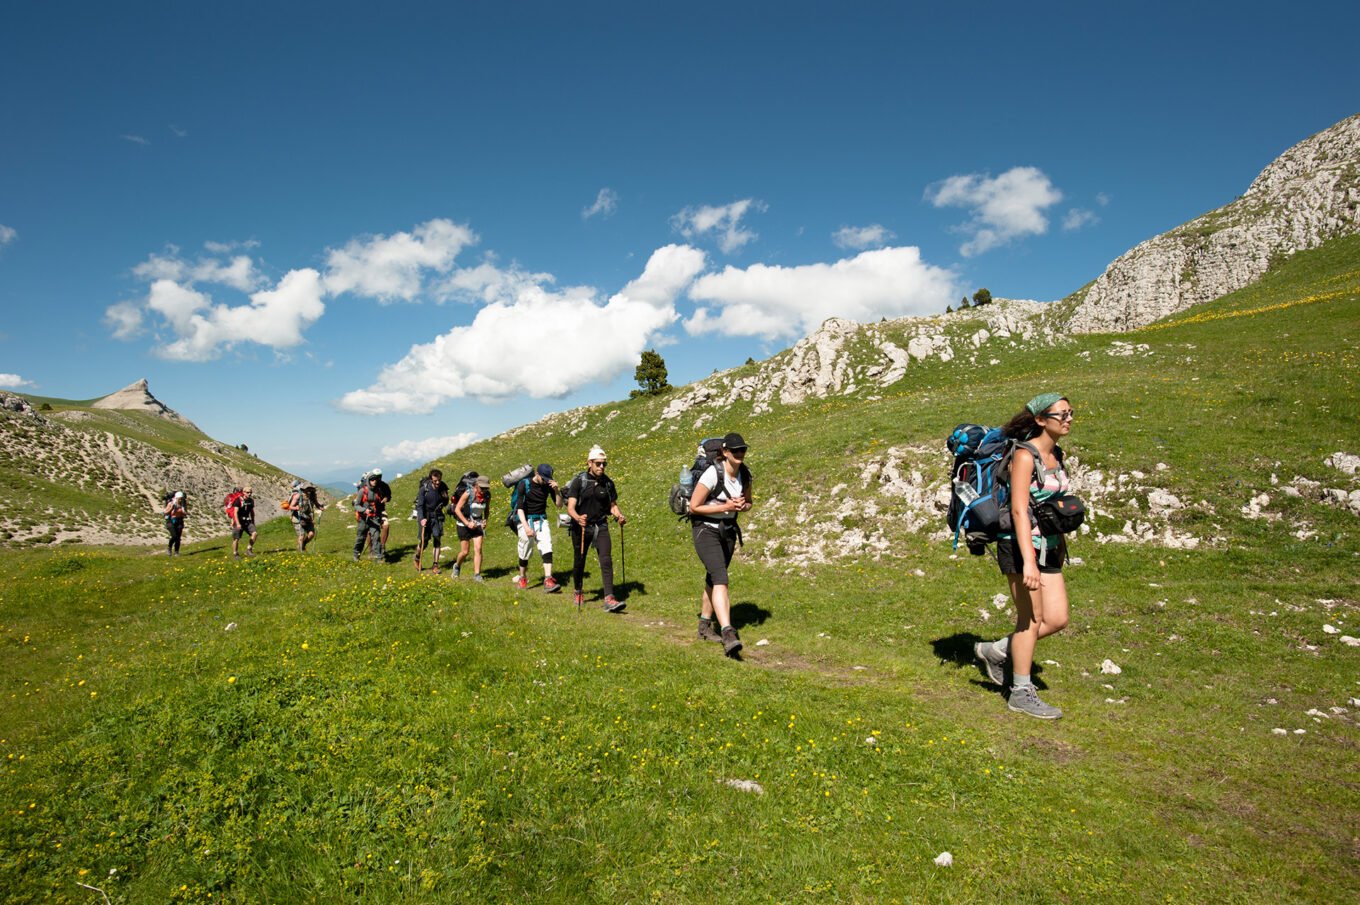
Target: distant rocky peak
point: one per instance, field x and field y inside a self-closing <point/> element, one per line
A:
<point x="136" y="397"/>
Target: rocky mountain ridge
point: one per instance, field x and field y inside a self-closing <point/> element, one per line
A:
<point x="1308" y="195"/>
<point x="96" y="473"/>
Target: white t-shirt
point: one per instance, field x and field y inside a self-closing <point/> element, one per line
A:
<point x="731" y="486"/>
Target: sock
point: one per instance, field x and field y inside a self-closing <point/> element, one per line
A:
<point x="726" y="627"/>
<point x="707" y="619"/>
<point x="1019" y="681"/>
<point x="1003" y="646"/>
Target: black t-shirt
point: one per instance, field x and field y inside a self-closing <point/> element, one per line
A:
<point x="535" y="499"/>
<point x="432" y="501"/>
<point x="245" y="510"/>
<point x="593" y="498"/>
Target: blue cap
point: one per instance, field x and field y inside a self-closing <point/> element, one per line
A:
<point x="546" y="471"/>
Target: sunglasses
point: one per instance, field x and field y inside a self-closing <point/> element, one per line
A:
<point x="601" y="464"/>
<point x="1061" y="416"/>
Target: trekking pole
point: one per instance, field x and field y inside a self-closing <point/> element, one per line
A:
<point x="623" y="558"/>
<point x="420" y="547"/>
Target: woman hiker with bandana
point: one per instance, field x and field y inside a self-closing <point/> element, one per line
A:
<point x="1031" y="562"/>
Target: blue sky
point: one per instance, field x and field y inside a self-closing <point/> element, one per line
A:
<point x="339" y="231"/>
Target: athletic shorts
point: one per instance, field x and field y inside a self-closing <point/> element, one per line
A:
<point x="542" y="538"/>
<point x="715" y="546"/>
<point x="303" y="526"/>
<point x="247" y="528"/>
<point x="466" y="533"/>
<point x="434" y="530"/>
<point x="1010" y="562"/>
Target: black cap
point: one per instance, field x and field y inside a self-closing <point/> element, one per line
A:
<point x="733" y="441"/>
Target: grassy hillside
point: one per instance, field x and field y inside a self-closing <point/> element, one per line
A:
<point x="366" y="732"/>
<point x="76" y="472"/>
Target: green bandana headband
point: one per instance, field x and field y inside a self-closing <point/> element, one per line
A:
<point x="1041" y="403"/>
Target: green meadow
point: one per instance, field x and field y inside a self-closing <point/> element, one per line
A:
<point x="303" y="728"/>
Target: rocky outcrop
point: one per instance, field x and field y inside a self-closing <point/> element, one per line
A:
<point x="842" y="357"/>
<point x="1309" y="195"/>
<point x="136" y="397"/>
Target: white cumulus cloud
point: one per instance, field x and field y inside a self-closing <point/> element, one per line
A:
<point x="606" y="202"/>
<point x="427" y="449"/>
<point x="862" y="236"/>
<point x="7" y="234"/>
<point x="237" y="272"/>
<point x="1078" y="217"/>
<point x="124" y="319"/>
<point x="14" y="382"/>
<point x="776" y="302"/>
<point x="537" y="342"/>
<point x="203" y="330"/>
<point x="1004" y="208"/>
<point x="723" y="221"/>
<point x="391" y="268"/>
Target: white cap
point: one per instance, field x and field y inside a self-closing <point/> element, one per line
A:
<point x="595" y="453"/>
<point x="375" y="473"/>
<point x="179" y="494"/>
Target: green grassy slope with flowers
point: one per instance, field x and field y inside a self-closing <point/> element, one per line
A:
<point x="366" y="732"/>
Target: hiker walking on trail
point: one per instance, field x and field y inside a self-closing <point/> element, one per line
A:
<point x="303" y="506"/>
<point x="471" y="507"/>
<point x="432" y="500"/>
<point x="176" y="511"/>
<point x="591" y="499"/>
<point x="241" y="511"/>
<point x="531" y="510"/>
<point x="720" y="493"/>
<point x="370" y="505"/>
<point x="1030" y="559"/>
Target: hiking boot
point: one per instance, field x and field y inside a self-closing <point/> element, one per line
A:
<point x="991" y="661"/>
<point x="236" y="556"/>
<point x="1026" y="700"/>
<point x="708" y="630"/>
<point x="613" y="605"/>
<point x="478" y="577"/>
<point x="550" y="585"/>
<point x="521" y="582"/>
<point x="435" y="568"/>
<point x="457" y="570"/>
<point x="579" y="598"/>
<point x="731" y="643"/>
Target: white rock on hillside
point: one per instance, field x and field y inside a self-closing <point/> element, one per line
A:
<point x="1310" y="194"/>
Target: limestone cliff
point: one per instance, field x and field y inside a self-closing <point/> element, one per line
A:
<point x="1310" y="194"/>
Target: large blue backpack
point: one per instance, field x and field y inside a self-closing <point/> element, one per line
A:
<point x="980" y="499"/>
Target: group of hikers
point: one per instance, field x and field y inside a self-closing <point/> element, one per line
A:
<point x="1009" y="488"/>
<point x="302" y="505"/>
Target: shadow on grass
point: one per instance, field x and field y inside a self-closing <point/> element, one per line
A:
<point x="958" y="650"/>
<point x="748" y="614"/>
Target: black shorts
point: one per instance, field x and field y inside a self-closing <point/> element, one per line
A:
<point x="246" y="528"/>
<point x="433" y="530"/>
<point x="466" y="533"/>
<point x="715" y="546"/>
<point x="1010" y="562"/>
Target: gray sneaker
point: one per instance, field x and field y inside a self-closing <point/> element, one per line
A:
<point x="708" y="630"/>
<point x="991" y="661"/>
<point x="1026" y="700"/>
<point x="731" y="643"/>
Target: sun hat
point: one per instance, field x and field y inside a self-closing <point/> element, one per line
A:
<point x="375" y="473"/>
<point x="733" y="441"/>
<point x="1040" y="404"/>
<point x="483" y="481"/>
<point x="179" y="494"/>
<point x="545" y="470"/>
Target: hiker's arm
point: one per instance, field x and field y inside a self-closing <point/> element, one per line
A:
<point x="571" y="511"/>
<point x="699" y="505"/>
<point x="1022" y="471"/>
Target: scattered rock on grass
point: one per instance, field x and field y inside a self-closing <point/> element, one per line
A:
<point x="944" y="859"/>
<point x="1109" y="668"/>
<point x="745" y="785"/>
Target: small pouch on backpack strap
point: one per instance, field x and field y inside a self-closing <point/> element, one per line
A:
<point x="1061" y="514"/>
